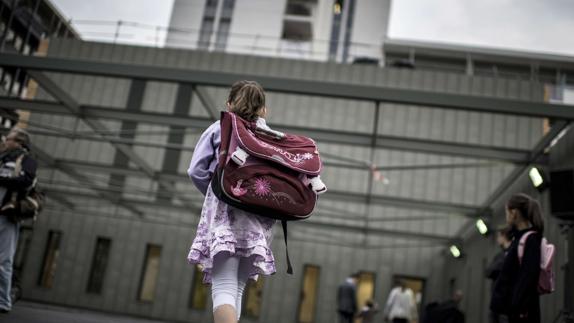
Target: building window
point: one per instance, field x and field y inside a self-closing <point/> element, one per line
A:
<point x="205" y="33"/>
<point x="299" y="8"/>
<point x="300" y="31"/>
<point x="365" y="288"/>
<point x="18" y="42"/>
<point x="348" y="30"/>
<point x="222" y="33"/>
<point x="343" y="12"/>
<point x="99" y="265"/>
<point x="308" y="296"/>
<point x="298" y="21"/>
<point x="335" y="29"/>
<point x="207" y="24"/>
<point x="149" y="274"/>
<point x="199" y="291"/>
<point x="51" y="255"/>
<point x="253" y="297"/>
<point x="224" y="24"/>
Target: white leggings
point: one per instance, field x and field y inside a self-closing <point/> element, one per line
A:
<point x="228" y="280"/>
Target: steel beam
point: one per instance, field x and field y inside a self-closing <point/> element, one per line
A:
<point x="321" y="135"/>
<point x="401" y="202"/>
<point x="207" y="102"/>
<point x="69" y="103"/>
<point x="71" y="171"/>
<point x="518" y="171"/>
<point x="332" y="195"/>
<point x="308" y="223"/>
<point x="294" y="86"/>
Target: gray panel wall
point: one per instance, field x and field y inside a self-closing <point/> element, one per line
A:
<point x="174" y="229"/>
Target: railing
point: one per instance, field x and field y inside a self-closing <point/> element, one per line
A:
<point x="135" y="33"/>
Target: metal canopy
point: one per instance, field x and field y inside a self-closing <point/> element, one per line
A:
<point x="68" y="107"/>
<point x="400" y="202"/>
<point x="306" y="87"/>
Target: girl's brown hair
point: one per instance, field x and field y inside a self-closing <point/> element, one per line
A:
<point x="528" y="208"/>
<point x="246" y="99"/>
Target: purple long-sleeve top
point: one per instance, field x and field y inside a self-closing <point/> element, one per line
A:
<point x="205" y="157"/>
<point x="223" y="228"/>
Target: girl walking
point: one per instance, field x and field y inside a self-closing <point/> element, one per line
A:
<point x="515" y="292"/>
<point x="231" y="245"/>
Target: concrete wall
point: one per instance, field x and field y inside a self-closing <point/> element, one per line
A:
<point x="370" y="28"/>
<point x="339" y="253"/>
<point x="185" y="23"/>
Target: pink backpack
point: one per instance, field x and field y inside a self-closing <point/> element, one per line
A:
<point x="266" y="172"/>
<point x="546" y="279"/>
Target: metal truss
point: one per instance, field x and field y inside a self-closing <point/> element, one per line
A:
<point x="73" y="173"/>
<point x="312" y="222"/>
<point x="320" y="135"/>
<point x="519" y="170"/>
<point x="400" y="202"/>
<point x="73" y="107"/>
<point x="198" y="79"/>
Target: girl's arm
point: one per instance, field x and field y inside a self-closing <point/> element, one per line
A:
<point x="202" y="164"/>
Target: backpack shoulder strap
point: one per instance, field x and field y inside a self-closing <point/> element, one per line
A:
<point x="289" y="267"/>
<point x="522" y="244"/>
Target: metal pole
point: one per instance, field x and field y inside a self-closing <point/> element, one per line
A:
<point x="157" y="36"/>
<point x="117" y="34"/>
<point x="569" y="271"/>
<point x="66" y="34"/>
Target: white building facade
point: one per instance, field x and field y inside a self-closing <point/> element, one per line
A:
<point x="334" y="30"/>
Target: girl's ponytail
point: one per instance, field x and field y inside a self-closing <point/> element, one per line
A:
<point x="529" y="209"/>
<point x="535" y="215"/>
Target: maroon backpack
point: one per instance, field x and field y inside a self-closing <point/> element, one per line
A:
<point x="266" y="172"/>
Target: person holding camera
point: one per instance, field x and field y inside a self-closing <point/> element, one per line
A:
<point x="17" y="176"/>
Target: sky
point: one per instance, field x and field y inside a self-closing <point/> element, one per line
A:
<point x="532" y="25"/>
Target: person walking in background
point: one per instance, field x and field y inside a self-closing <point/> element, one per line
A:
<point x="401" y="306"/>
<point x="12" y="181"/>
<point x="347" y="299"/>
<point x="368" y="312"/>
<point x="504" y="239"/>
<point x="516" y="289"/>
<point x="231" y="245"/>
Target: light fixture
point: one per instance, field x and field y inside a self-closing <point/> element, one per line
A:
<point x="536" y="177"/>
<point x="455" y="251"/>
<point x="337" y="8"/>
<point x="481" y="226"/>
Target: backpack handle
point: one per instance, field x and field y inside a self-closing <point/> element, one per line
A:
<point x="270" y="132"/>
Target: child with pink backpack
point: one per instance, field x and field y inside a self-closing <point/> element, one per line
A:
<point x="250" y="176"/>
<point x="527" y="270"/>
